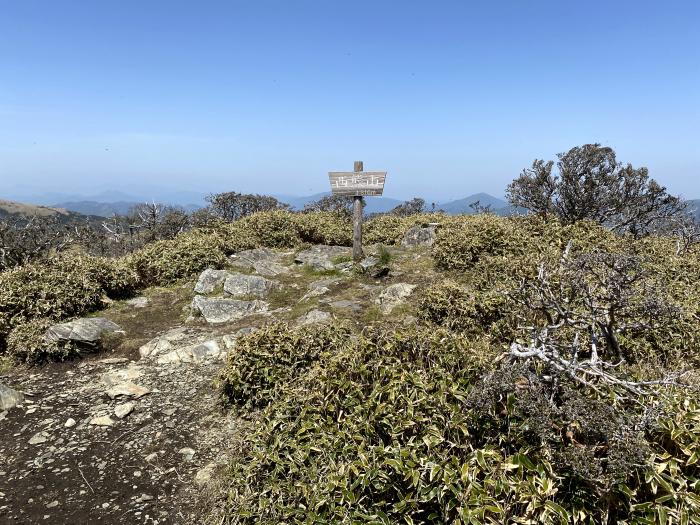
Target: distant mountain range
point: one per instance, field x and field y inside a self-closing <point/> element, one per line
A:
<point x="109" y="203"/>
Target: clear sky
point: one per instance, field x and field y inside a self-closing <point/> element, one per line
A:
<point x="450" y="97"/>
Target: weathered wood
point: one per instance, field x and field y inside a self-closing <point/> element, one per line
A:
<point x="357" y="183"/>
<point x="357" y="228"/>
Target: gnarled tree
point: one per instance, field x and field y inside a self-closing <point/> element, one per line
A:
<point x="590" y="183"/>
<point x="231" y="206"/>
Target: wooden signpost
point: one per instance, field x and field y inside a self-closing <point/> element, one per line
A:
<point x="357" y="183"/>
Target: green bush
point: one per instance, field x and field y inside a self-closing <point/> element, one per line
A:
<point x="386" y="229"/>
<point x="476" y="312"/>
<point x="325" y="227"/>
<point x="272" y="229"/>
<point x="26" y="343"/>
<point x="266" y="360"/>
<point x="421" y="427"/>
<point x="164" y="262"/>
<point x="55" y="290"/>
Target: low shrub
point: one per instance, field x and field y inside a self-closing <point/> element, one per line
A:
<point x="164" y="262"/>
<point x="272" y="229"/>
<point x="325" y="227"/>
<point x="266" y="360"/>
<point x="55" y="290"/>
<point x="386" y="229"/>
<point x="476" y="312"/>
<point x="426" y="427"/>
<point x="26" y="343"/>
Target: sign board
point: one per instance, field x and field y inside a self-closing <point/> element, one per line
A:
<point x="359" y="183"/>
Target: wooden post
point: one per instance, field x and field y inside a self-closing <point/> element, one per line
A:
<point x="357" y="220"/>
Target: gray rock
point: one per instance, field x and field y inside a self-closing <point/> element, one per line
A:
<point x="346" y="304"/>
<point x="85" y="331"/>
<point x="9" y="398"/>
<point x="313" y="317"/>
<point x="187" y="453"/>
<point x="209" y="279"/>
<point x="70" y="423"/>
<point x="166" y="342"/>
<point x="264" y="260"/>
<point x="102" y="421"/>
<point x="242" y="285"/>
<point x="320" y="257"/>
<point x="420" y="236"/>
<point x="217" y="311"/>
<point x="127" y="389"/>
<point x="129" y="373"/>
<point x="394" y="295"/>
<point x="39" y="438"/>
<point x="124" y="409"/>
<point x="368" y="263"/>
<point x="138" y="302"/>
<point x="191" y="354"/>
<point x="204" y="474"/>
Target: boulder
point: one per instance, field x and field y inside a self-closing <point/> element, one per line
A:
<point x="209" y="279"/>
<point x="264" y="260"/>
<point x="9" y="398"/>
<point x="242" y="285"/>
<point x="85" y="331"/>
<point x="420" y="236"/>
<point x="216" y="310"/>
<point x="394" y="295"/>
<point x="320" y="257"/>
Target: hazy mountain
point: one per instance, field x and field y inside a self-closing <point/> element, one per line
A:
<point x="9" y="209"/>
<point x="464" y="205"/>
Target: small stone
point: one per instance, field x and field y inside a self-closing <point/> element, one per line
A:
<point x="127" y="389"/>
<point x="204" y="475"/>
<point x="70" y="423"/>
<point x="124" y="409"/>
<point x="102" y="421"/>
<point x="144" y="497"/>
<point x="138" y="302"/>
<point x="151" y="457"/>
<point x="187" y="453"/>
<point x="9" y="398"/>
<point x="52" y="504"/>
<point x="39" y="438"/>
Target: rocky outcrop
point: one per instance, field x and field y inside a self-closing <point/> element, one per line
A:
<point x="394" y="295"/>
<point x="9" y="398"/>
<point x="209" y="280"/>
<point x="420" y="236"/>
<point x="218" y="310"/>
<point x="264" y="261"/>
<point x="320" y="257"/>
<point x="85" y="331"/>
<point x="242" y="285"/>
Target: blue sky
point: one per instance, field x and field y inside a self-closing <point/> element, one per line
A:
<point x="451" y="98"/>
